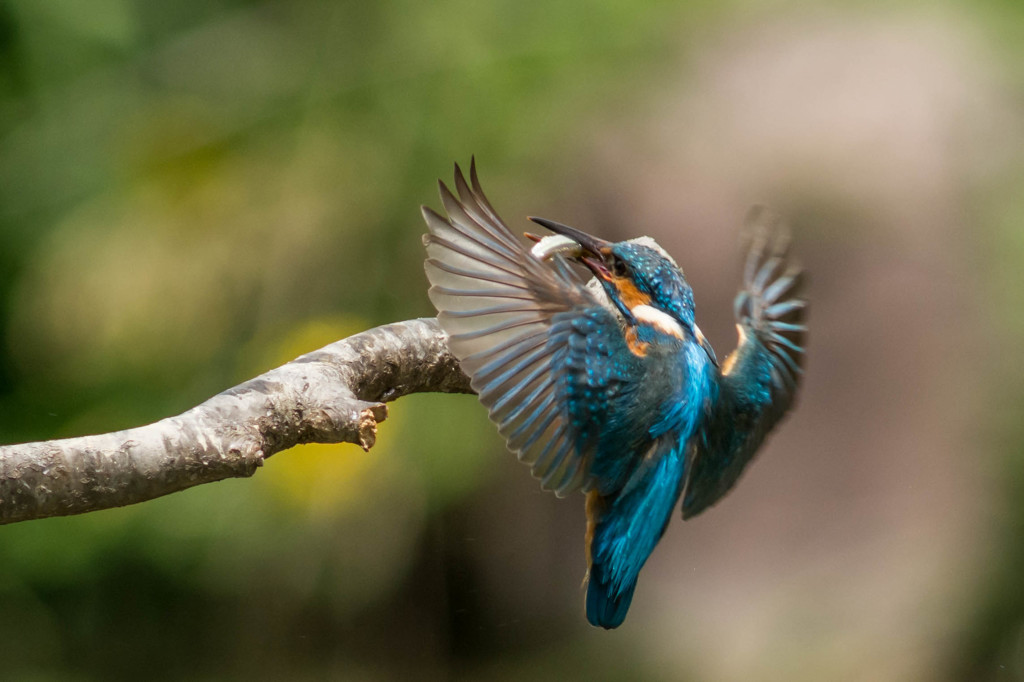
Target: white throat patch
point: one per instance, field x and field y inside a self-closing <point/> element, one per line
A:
<point x="661" y="321"/>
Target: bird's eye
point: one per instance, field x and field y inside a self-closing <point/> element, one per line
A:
<point x="619" y="268"/>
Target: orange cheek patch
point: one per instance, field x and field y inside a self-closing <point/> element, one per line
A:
<point x="632" y="297"/>
<point x="629" y="294"/>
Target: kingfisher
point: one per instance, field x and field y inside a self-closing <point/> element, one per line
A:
<point x="609" y="387"/>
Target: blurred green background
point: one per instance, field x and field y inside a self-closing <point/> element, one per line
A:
<point x="194" y="192"/>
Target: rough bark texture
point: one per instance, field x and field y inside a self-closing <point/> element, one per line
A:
<point x="332" y="395"/>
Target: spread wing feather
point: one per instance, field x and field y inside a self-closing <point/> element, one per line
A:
<point x="760" y="379"/>
<point x="526" y="332"/>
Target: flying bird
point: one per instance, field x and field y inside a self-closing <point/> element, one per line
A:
<point x="610" y="387"/>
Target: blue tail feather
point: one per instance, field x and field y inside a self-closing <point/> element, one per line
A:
<point x="623" y="531"/>
<point x="605" y="610"/>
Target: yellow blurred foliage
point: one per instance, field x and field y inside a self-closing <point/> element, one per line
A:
<point x="319" y="478"/>
<point x="322" y="479"/>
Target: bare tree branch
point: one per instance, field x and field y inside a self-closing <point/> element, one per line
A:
<point x="332" y="395"/>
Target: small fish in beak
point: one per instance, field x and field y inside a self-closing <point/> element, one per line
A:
<point x="555" y="244"/>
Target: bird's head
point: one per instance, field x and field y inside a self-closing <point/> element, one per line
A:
<point x="641" y="279"/>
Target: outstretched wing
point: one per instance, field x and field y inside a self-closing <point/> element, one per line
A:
<point x="546" y="358"/>
<point x="759" y="380"/>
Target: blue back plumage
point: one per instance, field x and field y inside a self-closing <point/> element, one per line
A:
<point x="629" y="524"/>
